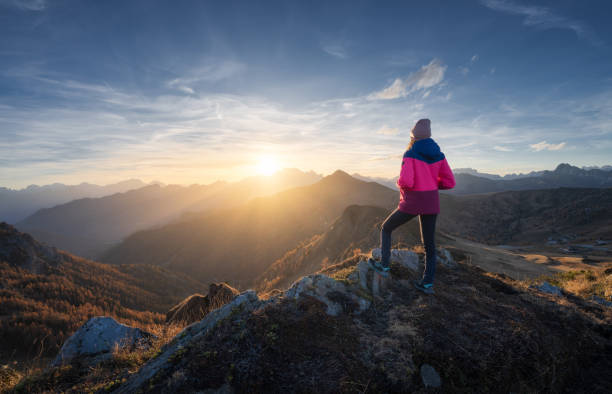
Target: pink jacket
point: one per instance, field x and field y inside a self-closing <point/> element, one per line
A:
<point x="424" y="171"/>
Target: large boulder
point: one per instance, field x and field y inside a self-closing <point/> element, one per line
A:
<point x="410" y="259"/>
<point x="404" y="257"/>
<point x="98" y="338"/>
<point x="334" y="294"/>
<point x="195" y="307"/>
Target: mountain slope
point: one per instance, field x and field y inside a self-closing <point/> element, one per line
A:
<point x="238" y="244"/>
<point x="46" y="294"/>
<point x="88" y="227"/>
<point x="16" y="205"/>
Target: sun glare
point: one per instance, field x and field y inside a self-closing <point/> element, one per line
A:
<point x="267" y="166"/>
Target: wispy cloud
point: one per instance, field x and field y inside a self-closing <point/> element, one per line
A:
<point x="427" y="77"/>
<point x="26" y="5"/>
<point x="543" y="18"/>
<point x="465" y="70"/>
<point x="336" y="50"/>
<point x="500" y="148"/>
<point x="543" y="145"/>
<point x="388" y="130"/>
<point x="209" y="72"/>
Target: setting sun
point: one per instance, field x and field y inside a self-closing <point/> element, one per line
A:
<point x="267" y="166"/>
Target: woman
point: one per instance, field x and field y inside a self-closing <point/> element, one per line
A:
<point x="424" y="171"/>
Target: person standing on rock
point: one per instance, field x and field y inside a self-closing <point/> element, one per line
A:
<point x="424" y="172"/>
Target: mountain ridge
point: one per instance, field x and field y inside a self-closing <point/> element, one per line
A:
<point x="46" y="294"/>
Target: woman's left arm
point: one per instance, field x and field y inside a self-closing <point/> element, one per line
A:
<point x="406" y="178"/>
<point x="446" y="179"/>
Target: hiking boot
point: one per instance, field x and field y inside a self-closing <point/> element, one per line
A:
<point x="382" y="270"/>
<point x="426" y="288"/>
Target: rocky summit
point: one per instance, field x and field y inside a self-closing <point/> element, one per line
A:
<point x="347" y="329"/>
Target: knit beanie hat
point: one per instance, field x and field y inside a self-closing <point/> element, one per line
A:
<point x="421" y="130"/>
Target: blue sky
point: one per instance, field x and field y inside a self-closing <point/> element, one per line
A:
<point x="195" y="91"/>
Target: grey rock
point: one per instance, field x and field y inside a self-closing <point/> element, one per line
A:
<point x="446" y="258"/>
<point x="99" y="337"/>
<point x="546" y="287"/>
<point x="404" y="257"/>
<point x="379" y="283"/>
<point x="362" y="268"/>
<point x="324" y="288"/>
<point x="429" y="376"/>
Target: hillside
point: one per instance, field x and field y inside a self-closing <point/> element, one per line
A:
<point x="529" y="216"/>
<point x="348" y="330"/>
<point x="46" y="294"/>
<point x="236" y="245"/>
<point x="87" y="227"/>
<point x="16" y="205"/>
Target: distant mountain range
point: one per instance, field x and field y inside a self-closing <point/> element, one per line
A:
<point x="471" y="181"/>
<point x="16" y="205"/>
<point x="564" y="175"/>
<point x="506" y="177"/>
<point x="89" y="226"/>
<point x="236" y="245"/>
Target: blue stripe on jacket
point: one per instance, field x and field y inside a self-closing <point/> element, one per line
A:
<point x="425" y="150"/>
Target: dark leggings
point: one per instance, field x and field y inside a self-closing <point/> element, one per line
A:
<point x="428" y="230"/>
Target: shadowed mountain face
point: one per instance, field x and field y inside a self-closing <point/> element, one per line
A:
<point x="239" y="244"/>
<point x="529" y="216"/>
<point x="88" y="227"/>
<point x="15" y="205"/>
<point x="46" y="294"/>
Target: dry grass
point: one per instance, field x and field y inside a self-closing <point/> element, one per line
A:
<point x="8" y="378"/>
<point x="103" y="376"/>
<point x="583" y="283"/>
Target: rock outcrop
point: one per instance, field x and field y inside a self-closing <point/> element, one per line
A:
<point x="245" y="302"/>
<point x="196" y="306"/>
<point x="334" y="294"/>
<point x="98" y="338"/>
